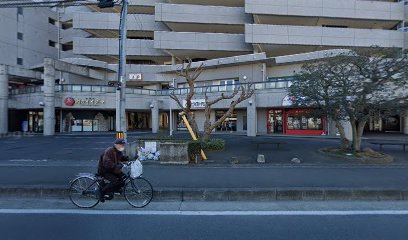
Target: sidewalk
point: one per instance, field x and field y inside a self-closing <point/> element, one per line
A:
<point x="238" y="150"/>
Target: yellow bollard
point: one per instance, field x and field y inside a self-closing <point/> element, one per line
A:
<point x="120" y="135"/>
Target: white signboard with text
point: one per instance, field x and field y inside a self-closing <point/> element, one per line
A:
<point x="196" y="103"/>
<point x="135" y="77"/>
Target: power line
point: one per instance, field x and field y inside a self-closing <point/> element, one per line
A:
<point x="46" y="3"/>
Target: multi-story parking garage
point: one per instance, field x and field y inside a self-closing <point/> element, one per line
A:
<point x="259" y="41"/>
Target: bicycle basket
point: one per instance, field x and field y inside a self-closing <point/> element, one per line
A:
<point x="136" y="169"/>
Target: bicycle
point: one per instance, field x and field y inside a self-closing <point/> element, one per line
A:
<point x="83" y="191"/>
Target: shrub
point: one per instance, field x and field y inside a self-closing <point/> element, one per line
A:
<point x="194" y="150"/>
<point x="214" y="144"/>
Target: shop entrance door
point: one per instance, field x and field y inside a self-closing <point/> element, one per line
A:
<point x="275" y="121"/>
<point x="35" y="121"/>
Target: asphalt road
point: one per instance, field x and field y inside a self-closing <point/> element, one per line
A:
<point x="69" y="224"/>
<point x="222" y="177"/>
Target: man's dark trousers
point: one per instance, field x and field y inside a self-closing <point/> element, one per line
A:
<point x="116" y="181"/>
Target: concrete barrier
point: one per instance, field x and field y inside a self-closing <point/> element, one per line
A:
<point x="249" y="194"/>
<point x="174" y="153"/>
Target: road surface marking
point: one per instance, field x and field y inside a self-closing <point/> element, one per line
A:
<point x="203" y="213"/>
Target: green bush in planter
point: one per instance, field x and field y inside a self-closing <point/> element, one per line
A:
<point x="214" y="144"/>
<point x="194" y="150"/>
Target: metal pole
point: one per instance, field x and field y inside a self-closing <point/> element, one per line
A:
<point x="171" y="111"/>
<point x="121" y="91"/>
<point x="171" y="120"/>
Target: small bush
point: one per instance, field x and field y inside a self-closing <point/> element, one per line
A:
<point x="194" y="149"/>
<point x="214" y="144"/>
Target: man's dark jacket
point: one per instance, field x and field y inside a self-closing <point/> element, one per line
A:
<point x="110" y="161"/>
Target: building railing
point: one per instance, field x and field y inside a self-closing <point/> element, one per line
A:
<point x="27" y="90"/>
<point x="271" y="83"/>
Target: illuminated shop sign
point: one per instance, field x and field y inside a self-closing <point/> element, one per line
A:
<point x="69" y="101"/>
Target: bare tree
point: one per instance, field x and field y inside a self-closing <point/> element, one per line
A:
<point x="245" y="93"/>
<point x="355" y="86"/>
<point x="190" y="76"/>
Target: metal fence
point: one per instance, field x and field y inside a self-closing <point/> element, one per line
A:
<point x="272" y="83"/>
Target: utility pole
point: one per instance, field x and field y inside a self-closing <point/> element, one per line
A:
<point x="121" y="126"/>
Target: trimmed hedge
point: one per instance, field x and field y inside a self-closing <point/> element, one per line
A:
<point x="194" y="149"/>
<point x="214" y="144"/>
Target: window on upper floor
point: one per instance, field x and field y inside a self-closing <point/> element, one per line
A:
<point x="52" y="43"/>
<point x="19" y="10"/>
<point x="67" y="47"/>
<point x="66" y="25"/>
<point x="19" y="36"/>
<point x="52" y="21"/>
<point x="19" y="61"/>
<point x="334" y="26"/>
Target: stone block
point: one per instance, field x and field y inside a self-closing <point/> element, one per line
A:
<point x="173" y="153"/>
<point x="260" y="158"/>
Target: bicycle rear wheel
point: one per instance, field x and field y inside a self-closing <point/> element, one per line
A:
<point x="138" y="192"/>
<point x="83" y="192"/>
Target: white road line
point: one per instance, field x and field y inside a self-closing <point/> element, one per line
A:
<point x="203" y="213"/>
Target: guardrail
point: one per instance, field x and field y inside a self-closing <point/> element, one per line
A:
<point x="272" y="84"/>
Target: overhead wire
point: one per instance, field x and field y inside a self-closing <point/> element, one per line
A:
<point x="47" y="3"/>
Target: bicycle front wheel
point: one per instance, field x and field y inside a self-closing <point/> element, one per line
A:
<point x="138" y="192"/>
<point x="83" y="192"/>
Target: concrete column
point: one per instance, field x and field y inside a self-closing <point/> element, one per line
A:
<point x="155" y="116"/>
<point x="251" y="117"/>
<point x="3" y="99"/>
<point x="49" y="97"/>
<point x="406" y="122"/>
<point x="61" y="122"/>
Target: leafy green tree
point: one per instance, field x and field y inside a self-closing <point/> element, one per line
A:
<point x="353" y="86"/>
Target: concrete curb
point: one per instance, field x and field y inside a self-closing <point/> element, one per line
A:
<point x="315" y="194"/>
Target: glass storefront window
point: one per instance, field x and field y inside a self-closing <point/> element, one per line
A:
<point x="229" y="124"/>
<point x="35" y="121"/>
<point x="76" y="125"/>
<point x="304" y="122"/>
<point x="137" y="120"/>
<point x="87" y="125"/>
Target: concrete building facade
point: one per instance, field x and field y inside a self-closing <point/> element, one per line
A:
<point x="259" y="41"/>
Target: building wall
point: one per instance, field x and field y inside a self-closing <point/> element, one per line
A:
<point x="36" y="30"/>
<point x="205" y="31"/>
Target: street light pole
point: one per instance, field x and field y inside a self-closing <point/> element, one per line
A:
<point x="121" y="125"/>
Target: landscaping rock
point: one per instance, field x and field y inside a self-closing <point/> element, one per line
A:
<point x="296" y="160"/>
